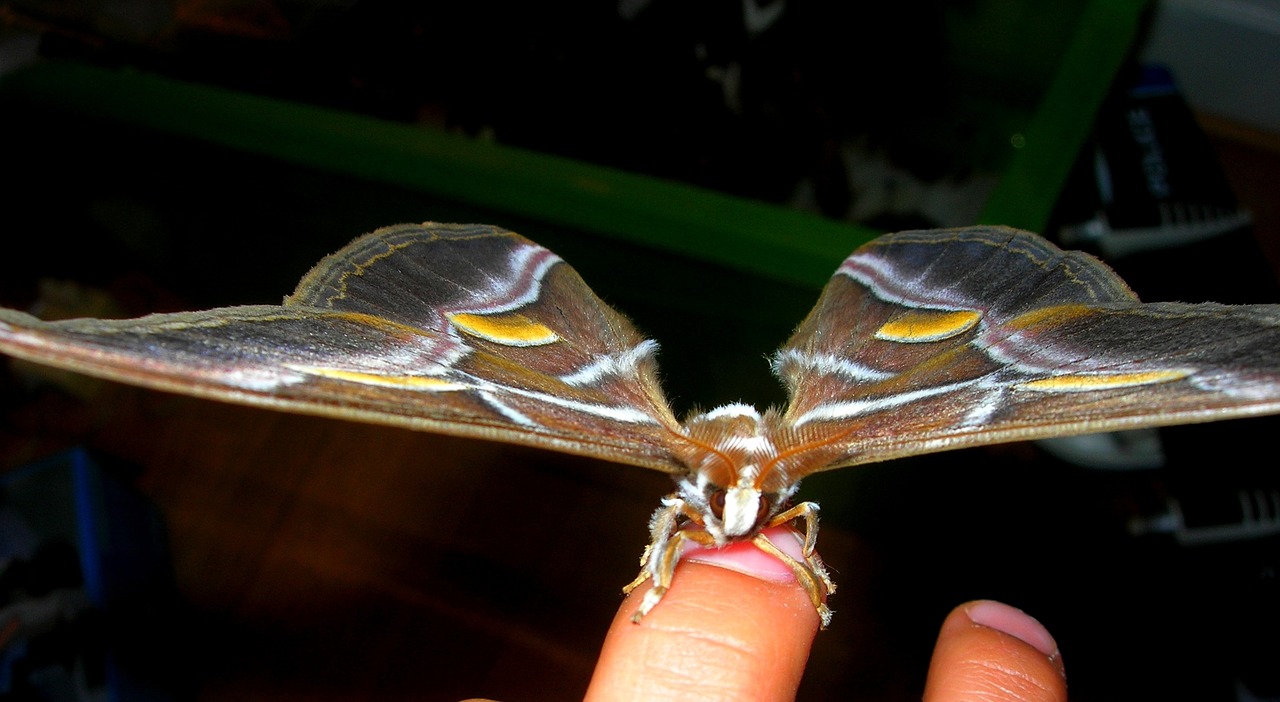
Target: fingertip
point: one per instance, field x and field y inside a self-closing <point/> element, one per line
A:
<point x="718" y="632"/>
<point x="745" y="558"/>
<point x="1014" y="622"/>
<point x="991" y="651"/>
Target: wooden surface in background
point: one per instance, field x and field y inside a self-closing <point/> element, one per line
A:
<point x="324" y="560"/>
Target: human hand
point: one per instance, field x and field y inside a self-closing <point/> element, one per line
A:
<point x="741" y="630"/>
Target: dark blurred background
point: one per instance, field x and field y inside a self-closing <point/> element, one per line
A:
<point x="705" y="166"/>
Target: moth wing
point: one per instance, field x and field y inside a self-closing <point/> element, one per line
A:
<point x="931" y="340"/>
<point x="460" y="329"/>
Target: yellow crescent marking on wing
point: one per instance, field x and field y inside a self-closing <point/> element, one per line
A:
<point x="382" y="324"/>
<point x="1053" y="313"/>
<point x="928" y="325"/>
<point x="411" y="382"/>
<point x="507" y="329"/>
<point x="1103" y="381"/>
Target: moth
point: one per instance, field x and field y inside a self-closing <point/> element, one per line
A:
<point x="922" y="341"/>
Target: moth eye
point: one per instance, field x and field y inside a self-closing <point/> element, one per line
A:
<point x="717" y="504"/>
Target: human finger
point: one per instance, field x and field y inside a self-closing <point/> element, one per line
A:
<point x="992" y="652"/>
<point x="734" y="625"/>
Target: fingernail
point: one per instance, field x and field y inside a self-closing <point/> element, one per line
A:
<point x="1014" y="622"/>
<point x="745" y="558"/>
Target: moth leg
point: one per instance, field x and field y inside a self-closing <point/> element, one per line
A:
<point x="664" y="569"/>
<point x="814" y="580"/>
<point x="815" y="571"/>
<point x="809" y="512"/>
<point x="662" y="525"/>
<point x="664" y="551"/>
<point x="644" y="571"/>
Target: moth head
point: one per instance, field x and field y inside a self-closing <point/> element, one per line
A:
<point x="731" y="483"/>
<point x="734" y="513"/>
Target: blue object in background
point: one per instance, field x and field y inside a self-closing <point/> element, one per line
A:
<point x="85" y="585"/>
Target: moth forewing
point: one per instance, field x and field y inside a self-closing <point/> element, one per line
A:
<point x="982" y="335"/>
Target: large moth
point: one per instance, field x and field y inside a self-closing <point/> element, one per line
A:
<point x="922" y="341"/>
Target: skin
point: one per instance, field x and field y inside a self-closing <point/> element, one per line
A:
<point x="717" y="635"/>
<point x="740" y="628"/>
